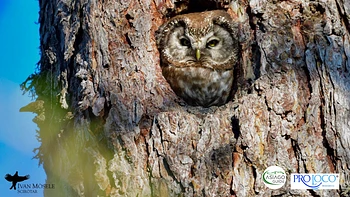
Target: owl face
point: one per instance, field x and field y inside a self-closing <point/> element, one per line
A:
<point x="213" y="48"/>
<point x="198" y="52"/>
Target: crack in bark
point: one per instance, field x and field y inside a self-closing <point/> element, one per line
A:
<point x="171" y="174"/>
<point x="313" y="193"/>
<point x="297" y="152"/>
<point x="330" y="151"/>
<point x="308" y="75"/>
<point x="255" y="46"/>
<point x="127" y="38"/>
<point x="161" y="138"/>
<point x="343" y="17"/>
<point x="232" y="192"/>
<point x="235" y="127"/>
<point x="254" y="177"/>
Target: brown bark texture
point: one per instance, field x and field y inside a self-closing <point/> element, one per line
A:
<point x="110" y="125"/>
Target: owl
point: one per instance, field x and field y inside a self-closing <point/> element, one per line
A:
<point x="198" y="54"/>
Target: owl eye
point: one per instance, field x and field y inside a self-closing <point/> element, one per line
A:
<point x="212" y="43"/>
<point x="185" y="42"/>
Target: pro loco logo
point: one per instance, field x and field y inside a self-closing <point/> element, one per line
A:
<point x="314" y="181"/>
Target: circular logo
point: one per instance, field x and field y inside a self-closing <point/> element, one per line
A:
<point x="274" y="177"/>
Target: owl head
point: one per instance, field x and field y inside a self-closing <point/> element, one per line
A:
<point x="204" y="39"/>
<point x="198" y="53"/>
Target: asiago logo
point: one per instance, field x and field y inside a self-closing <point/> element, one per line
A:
<point x="274" y="177"/>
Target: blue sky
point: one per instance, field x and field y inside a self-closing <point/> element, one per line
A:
<point x="19" y="53"/>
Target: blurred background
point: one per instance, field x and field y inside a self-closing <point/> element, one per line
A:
<point x="19" y="54"/>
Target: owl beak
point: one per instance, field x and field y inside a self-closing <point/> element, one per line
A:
<point x="198" y="54"/>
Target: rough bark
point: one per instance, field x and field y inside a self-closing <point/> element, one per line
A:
<point x="110" y="124"/>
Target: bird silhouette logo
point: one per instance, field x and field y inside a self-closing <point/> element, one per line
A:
<point x="15" y="179"/>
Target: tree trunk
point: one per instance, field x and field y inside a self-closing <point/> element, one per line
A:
<point x="110" y="125"/>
